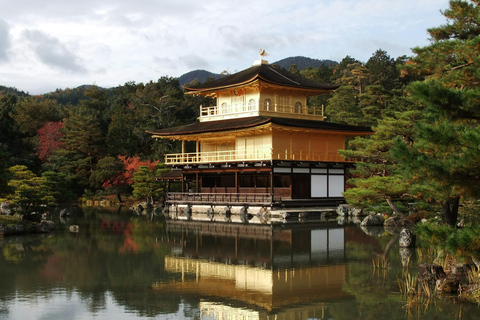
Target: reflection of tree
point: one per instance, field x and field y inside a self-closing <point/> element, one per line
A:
<point x="26" y="253"/>
<point x="92" y="262"/>
<point x="376" y="293"/>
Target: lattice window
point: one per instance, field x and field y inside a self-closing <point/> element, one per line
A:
<point x="252" y="104"/>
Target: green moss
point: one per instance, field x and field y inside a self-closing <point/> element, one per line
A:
<point x="10" y="220"/>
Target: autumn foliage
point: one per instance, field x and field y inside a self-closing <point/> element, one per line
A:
<point x="49" y="139"/>
<point x="131" y="165"/>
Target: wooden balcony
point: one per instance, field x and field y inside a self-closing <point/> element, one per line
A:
<point x="217" y="156"/>
<point x="234" y="111"/>
<point x="251" y="155"/>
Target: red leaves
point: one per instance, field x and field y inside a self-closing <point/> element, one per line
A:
<point x="132" y="164"/>
<point x="49" y="139"/>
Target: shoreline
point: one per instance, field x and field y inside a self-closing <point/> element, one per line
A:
<point x="10" y="225"/>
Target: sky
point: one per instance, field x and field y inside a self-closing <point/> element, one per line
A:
<point x="57" y="44"/>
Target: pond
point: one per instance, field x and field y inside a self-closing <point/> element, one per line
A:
<point x="124" y="266"/>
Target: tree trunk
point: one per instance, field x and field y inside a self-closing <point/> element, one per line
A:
<point x="450" y="211"/>
<point x="119" y="197"/>
<point x="395" y="208"/>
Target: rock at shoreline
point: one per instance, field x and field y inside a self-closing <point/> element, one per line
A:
<point x="5" y="208"/>
<point x="344" y="210"/>
<point x="394" y="224"/>
<point x="430" y="272"/>
<point x="45" y="226"/>
<point x="12" y="229"/>
<point x="372" y="220"/>
<point x="33" y="217"/>
<point x="448" y="285"/>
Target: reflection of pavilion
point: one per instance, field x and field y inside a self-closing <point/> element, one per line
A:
<point x="284" y="269"/>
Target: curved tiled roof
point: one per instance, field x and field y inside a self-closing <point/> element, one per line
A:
<point x="263" y="72"/>
<point x="243" y="123"/>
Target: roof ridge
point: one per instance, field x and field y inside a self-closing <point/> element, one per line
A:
<point x="283" y="75"/>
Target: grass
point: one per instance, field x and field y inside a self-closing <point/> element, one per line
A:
<point x="472" y="292"/>
<point x="380" y="263"/>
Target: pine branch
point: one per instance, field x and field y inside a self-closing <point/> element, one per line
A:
<point x="459" y="67"/>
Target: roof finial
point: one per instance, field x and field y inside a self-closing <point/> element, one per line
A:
<point x="263" y="53"/>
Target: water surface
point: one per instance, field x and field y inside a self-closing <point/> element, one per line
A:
<point x="123" y="266"/>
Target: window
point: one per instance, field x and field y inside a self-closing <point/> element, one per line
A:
<point x="224" y="108"/>
<point x="298" y="107"/>
<point x="252" y="104"/>
<point x="238" y="104"/>
<point x="267" y="105"/>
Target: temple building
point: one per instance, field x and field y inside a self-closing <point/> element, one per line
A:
<point x="260" y="145"/>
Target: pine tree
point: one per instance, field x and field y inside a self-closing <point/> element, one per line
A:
<point x="29" y="190"/>
<point x="445" y="155"/>
<point x="376" y="178"/>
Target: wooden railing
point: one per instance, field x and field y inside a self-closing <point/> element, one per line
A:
<point x="242" y="108"/>
<point x="218" y="156"/>
<point x="251" y="155"/>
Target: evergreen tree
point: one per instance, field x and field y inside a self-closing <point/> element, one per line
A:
<point x="123" y="136"/>
<point x="383" y="70"/>
<point x="445" y="154"/>
<point x="29" y="190"/>
<point x="83" y="145"/>
<point x="10" y="136"/>
<point x="146" y="184"/>
<point x="109" y="175"/>
<point x="343" y="106"/>
<point x="33" y="112"/>
<point x="376" y="178"/>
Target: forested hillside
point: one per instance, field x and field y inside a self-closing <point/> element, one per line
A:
<point x="4" y="90"/>
<point x="197" y="75"/>
<point x="304" y="62"/>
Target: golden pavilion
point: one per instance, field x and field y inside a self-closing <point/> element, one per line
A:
<point x="260" y="144"/>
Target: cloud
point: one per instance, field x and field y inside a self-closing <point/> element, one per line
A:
<point x="4" y="40"/>
<point x="52" y="52"/>
<point x="69" y="43"/>
<point x="193" y="61"/>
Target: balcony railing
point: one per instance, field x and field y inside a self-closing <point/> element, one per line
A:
<point x="218" y="156"/>
<point x="225" y="110"/>
<point x="250" y="155"/>
<point x="220" y="198"/>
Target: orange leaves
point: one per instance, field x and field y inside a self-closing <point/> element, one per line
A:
<point x="132" y="164"/>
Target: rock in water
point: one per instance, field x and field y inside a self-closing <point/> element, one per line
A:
<point x="64" y="213"/>
<point x="407" y="238"/>
<point x="139" y="209"/>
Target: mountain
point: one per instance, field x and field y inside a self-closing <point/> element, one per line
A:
<point x="4" y="90"/>
<point x="303" y="62"/>
<point x="200" y="75"/>
<point x="74" y="95"/>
